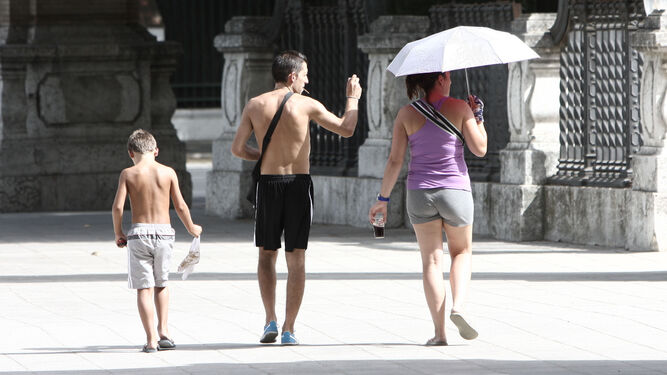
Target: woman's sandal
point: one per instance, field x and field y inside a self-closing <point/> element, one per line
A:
<point x="147" y="349"/>
<point x="166" y="344"/>
<point x="435" y="342"/>
<point x="465" y="330"/>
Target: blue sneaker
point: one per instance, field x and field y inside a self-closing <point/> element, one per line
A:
<point x="270" y="333"/>
<point x="288" y="339"/>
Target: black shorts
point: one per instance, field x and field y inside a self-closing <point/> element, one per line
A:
<point x="284" y="203"/>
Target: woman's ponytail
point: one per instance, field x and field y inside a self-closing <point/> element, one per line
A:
<point x="420" y="83"/>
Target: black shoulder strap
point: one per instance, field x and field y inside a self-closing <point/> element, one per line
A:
<point x="437" y="118"/>
<point x="269" y="131"/>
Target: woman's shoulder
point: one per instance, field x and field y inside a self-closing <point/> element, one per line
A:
<point x="407" y="111"/>
<point x="454" y="102"/>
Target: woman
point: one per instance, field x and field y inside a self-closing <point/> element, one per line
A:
<point x="438" y="188"/>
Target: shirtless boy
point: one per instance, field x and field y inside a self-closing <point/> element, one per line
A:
<point x="150" y="240"/>
<point x="285" y="191"/>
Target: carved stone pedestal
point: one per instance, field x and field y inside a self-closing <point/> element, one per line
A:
<point x="246" y="74"/>
<point x="73" y="89"/>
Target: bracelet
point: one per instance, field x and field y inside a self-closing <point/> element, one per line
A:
<point x="382" y="199"/>
<point x="353" y="97"/>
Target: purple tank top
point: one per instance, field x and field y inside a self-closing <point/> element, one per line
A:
<point x="436" y="159"/>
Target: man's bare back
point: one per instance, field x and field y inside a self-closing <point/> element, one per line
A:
<point x="291" y="133"/>
<point x="289" y="150"/>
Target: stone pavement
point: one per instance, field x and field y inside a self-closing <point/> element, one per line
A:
<point x="539" y="307"/>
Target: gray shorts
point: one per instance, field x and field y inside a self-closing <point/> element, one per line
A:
<point x="149" y="248"/>
<point x="454" y="207"/>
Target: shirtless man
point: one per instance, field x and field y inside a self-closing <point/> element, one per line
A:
<point x="150" y="241"/>
<point x="285" y="191"/>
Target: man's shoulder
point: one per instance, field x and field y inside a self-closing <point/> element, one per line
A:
<point x="261" y="99"/>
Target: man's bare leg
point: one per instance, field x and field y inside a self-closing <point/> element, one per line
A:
<point x="266" y="275"/>
<point x="162" y="307"/>
<point x="146" y="312"/>
<point x="296" y="282"/>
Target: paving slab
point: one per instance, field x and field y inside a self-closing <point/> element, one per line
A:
<point x="540" y="307"/>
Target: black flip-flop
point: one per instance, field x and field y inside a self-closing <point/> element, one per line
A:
<point x="166" y="344"/>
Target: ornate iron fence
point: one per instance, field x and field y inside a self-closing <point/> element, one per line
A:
<point x="194" y="24"/>
<point x="600" y="125"/>
<point x="489" y="83"/>
<point x="326" y="32"/>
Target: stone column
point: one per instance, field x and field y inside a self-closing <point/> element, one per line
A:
<point x="517" y="203"/>
<point x="646" y="202"/>
<point x="76" y="79"/>
<point x="385" y="95"/>
<point x="247" y="73"/>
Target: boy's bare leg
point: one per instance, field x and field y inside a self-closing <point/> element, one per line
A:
<point x="266" y="275"/>
<point x="146" y="313"/>
<point x="162" y="307"/>
<point x="296" y="282"/>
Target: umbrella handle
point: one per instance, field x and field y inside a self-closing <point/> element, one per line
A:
<point x="467" y="83"/>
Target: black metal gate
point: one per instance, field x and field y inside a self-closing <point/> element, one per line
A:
<point x="326" y="32"/>
<point x="194" y="24"/>
<point x="600" y="125"/>
<point x="489" y="83"/>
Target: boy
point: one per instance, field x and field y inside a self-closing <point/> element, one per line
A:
<point x="151" y="239"/>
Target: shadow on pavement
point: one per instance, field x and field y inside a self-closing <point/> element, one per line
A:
<point x="221" y="276"/>
<point x="189" y="347"/>
<point x="398" y="366"/>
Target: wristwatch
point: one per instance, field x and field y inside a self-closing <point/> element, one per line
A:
<point x="382" y="199"/>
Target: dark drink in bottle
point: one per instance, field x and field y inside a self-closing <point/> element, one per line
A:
<point x="378" y="226"/>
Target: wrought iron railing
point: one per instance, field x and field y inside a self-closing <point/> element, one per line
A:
<point x="326" y="32"/>
<point x="600" y="125"/>
<point x="194" y="24"/>
<point x="489" y="83"/>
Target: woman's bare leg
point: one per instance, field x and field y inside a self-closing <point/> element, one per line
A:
<point x="459" y="243"/>
<point x="429" y="237"/>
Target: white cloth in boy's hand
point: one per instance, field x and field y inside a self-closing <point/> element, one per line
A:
<point x="188" y="264"/>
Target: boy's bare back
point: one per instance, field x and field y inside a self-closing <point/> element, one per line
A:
<point x="149" y="185"/>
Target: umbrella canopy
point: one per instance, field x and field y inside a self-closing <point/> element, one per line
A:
<point x="459" y="48"/>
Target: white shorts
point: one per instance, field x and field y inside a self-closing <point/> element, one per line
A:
<point x="149" y="248"/>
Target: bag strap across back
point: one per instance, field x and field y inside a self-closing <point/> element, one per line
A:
<point x="269" y="131"/>
<point x="437" y="118"/>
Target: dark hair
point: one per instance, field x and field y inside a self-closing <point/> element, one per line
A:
<point x="414" y="83"/>
<point x="141" y="141"/>
<point x="285" y="63"/>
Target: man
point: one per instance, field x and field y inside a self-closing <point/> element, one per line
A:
<point x="284" y="191"/>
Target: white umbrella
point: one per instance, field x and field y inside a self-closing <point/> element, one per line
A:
<point x="459" y="48"/>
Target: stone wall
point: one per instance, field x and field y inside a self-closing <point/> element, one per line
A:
<point x="77" y="77"/>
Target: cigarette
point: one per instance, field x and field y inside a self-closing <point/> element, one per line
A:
<point x="307" y="92"/>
